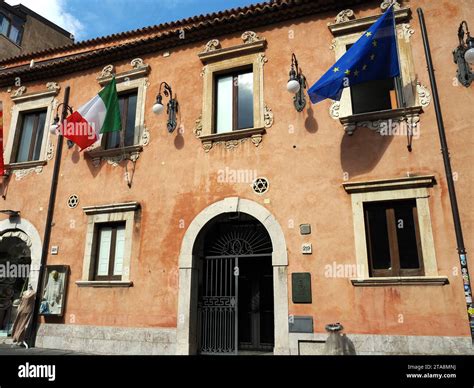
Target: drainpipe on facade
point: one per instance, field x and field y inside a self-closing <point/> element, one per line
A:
<point x="449" y="176"/>
<point x="49" y="224"/>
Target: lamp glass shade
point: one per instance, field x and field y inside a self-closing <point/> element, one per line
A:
<point x="293" y="86"/>
<point x="53" y="129"/>
<point x="469" y="56"/>
<point x="158" y="109"/>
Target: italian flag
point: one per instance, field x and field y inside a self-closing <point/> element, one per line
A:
<point x="99" y="115"/>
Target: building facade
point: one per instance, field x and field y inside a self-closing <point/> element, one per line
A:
<point x="23" y="30"/>
<point x="251" y="223"/>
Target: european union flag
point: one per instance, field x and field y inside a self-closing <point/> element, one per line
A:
<point x="373" y="57"/>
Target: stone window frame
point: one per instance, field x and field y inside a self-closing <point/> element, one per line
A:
<point x="134" y="79"/>
<point x="218" y="61"/>
<point x="106" y="214"/>
<point x="26" y="102"/>
<point x="388" y="190"/>
<point x="347" y="30"/>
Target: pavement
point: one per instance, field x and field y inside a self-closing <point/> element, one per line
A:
<point x="14" y="350"/>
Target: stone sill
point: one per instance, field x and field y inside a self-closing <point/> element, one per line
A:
<point x="234" y="135"/>
<point x="25" y="165"/>
<point x="104" y="283"/>
<point x="352" y="122"/>
<point x="401" y="281"/>
<point x="101" y="153"/>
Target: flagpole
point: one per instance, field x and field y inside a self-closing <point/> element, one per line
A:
<point x="399" y="78"/>
<point x="449" y="176"/>
<point x="49" y="223"/>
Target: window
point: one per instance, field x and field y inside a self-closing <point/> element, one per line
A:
<point x="128" y="136"/>
<point x="110" y="251"/>
<point x="234" y="101"/>
<point x="29" y="137"/>
<point x="4" y="25"/>
<point x="394" y="242"/>
<point x="374" y="95"/>
<point x="110" y="244"/>
<point x="233" y="106"/>
<point x="393" y="238"/>
<point x="12" y="30"/>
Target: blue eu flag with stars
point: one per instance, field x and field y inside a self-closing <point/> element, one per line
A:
<point x="373" y="57"/>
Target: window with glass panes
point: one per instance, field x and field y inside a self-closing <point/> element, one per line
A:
<point x="129" y="135"/>
<point x="29" y="137"/>
<point x="110" y="243"/>
<point x="12" y="29"/>
<point x="234" y="101"/>
<point x="393" y="238"/>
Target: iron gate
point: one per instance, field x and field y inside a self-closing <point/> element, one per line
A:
<point x="218" y="307"/>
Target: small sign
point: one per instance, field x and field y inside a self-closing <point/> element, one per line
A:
<point x="54" y="250"/>
<point x="307" y="249"/>
<point x="305" y="229"/>
<point x="301" y="287"/>
<point x="301" y="324"/>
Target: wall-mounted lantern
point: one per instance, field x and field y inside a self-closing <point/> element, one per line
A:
<point x="464" y="55"/>
<point x="172" y="107"/>
<point x="297" y="84"/>
<point x="56" y="124"/>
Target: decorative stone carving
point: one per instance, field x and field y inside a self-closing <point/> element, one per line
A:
<point x="198" y="127"/>
<point x="20" y="174"/>
<point x="50" y="152"/>
<point x="387" y="3"/>
<point x="424" y="95"/>
<point x="262" y="58"/>
<point x="138" y="63"/>
<point x="345" y="16"/>
<point x="203" y="71"/>
<point x="207" y="146"/>
<point x="18" y="92"/>
<point x="145" y="137"/>
<point x="257" y="139"/>
<point x="268" y="117"/>
<point x="53" y="86"/>
<point x="407" y="31"/>
<point x="333" y="44"/>
<point x="412" y="122"/>
<point x="20" y="235"/>
<point x="250" y="37"/>
<point x="212" y="45"/>
<point x="349" y="128"/>
<point x="117" y="159"/>
<point x="107" y="71"/>
<point x="334" y="110"/>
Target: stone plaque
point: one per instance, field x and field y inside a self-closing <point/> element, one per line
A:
<point x="301" y="324"/>
<point x="305" y="229"/>
<point x="301" y="287"/>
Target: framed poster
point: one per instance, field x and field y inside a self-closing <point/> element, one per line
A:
<point x="54" y="290"/>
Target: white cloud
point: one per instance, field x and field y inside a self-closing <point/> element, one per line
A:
<point x="54" y="11"/>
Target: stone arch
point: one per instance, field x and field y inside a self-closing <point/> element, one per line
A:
<point x="27" y="232"/>
<point x="187" y="297"/>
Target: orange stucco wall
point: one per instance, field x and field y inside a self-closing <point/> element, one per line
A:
<point x="175" y="179"/>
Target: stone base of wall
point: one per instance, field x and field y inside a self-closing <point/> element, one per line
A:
<point x="367" y="344"/>
<point x="107" y="340"/>
<point x="150" y="341"/>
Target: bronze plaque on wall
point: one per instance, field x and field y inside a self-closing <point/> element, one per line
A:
<point x="301" y="287"/>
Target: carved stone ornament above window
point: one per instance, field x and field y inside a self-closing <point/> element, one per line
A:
<point x="139" y="69"/>
<point x="214" y="52"/>
<point x="20" y="94"/>
<point x="345" y="16"/>
<point x="346" y="23"/>
<point x="387" y="3"/>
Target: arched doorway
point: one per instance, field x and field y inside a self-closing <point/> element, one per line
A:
<point x="15" y="262"/>
<point x="190" y="259"/>
<point x="235" y="286"/>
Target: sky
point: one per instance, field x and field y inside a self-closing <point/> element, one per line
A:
<point x="87" y="19"/>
